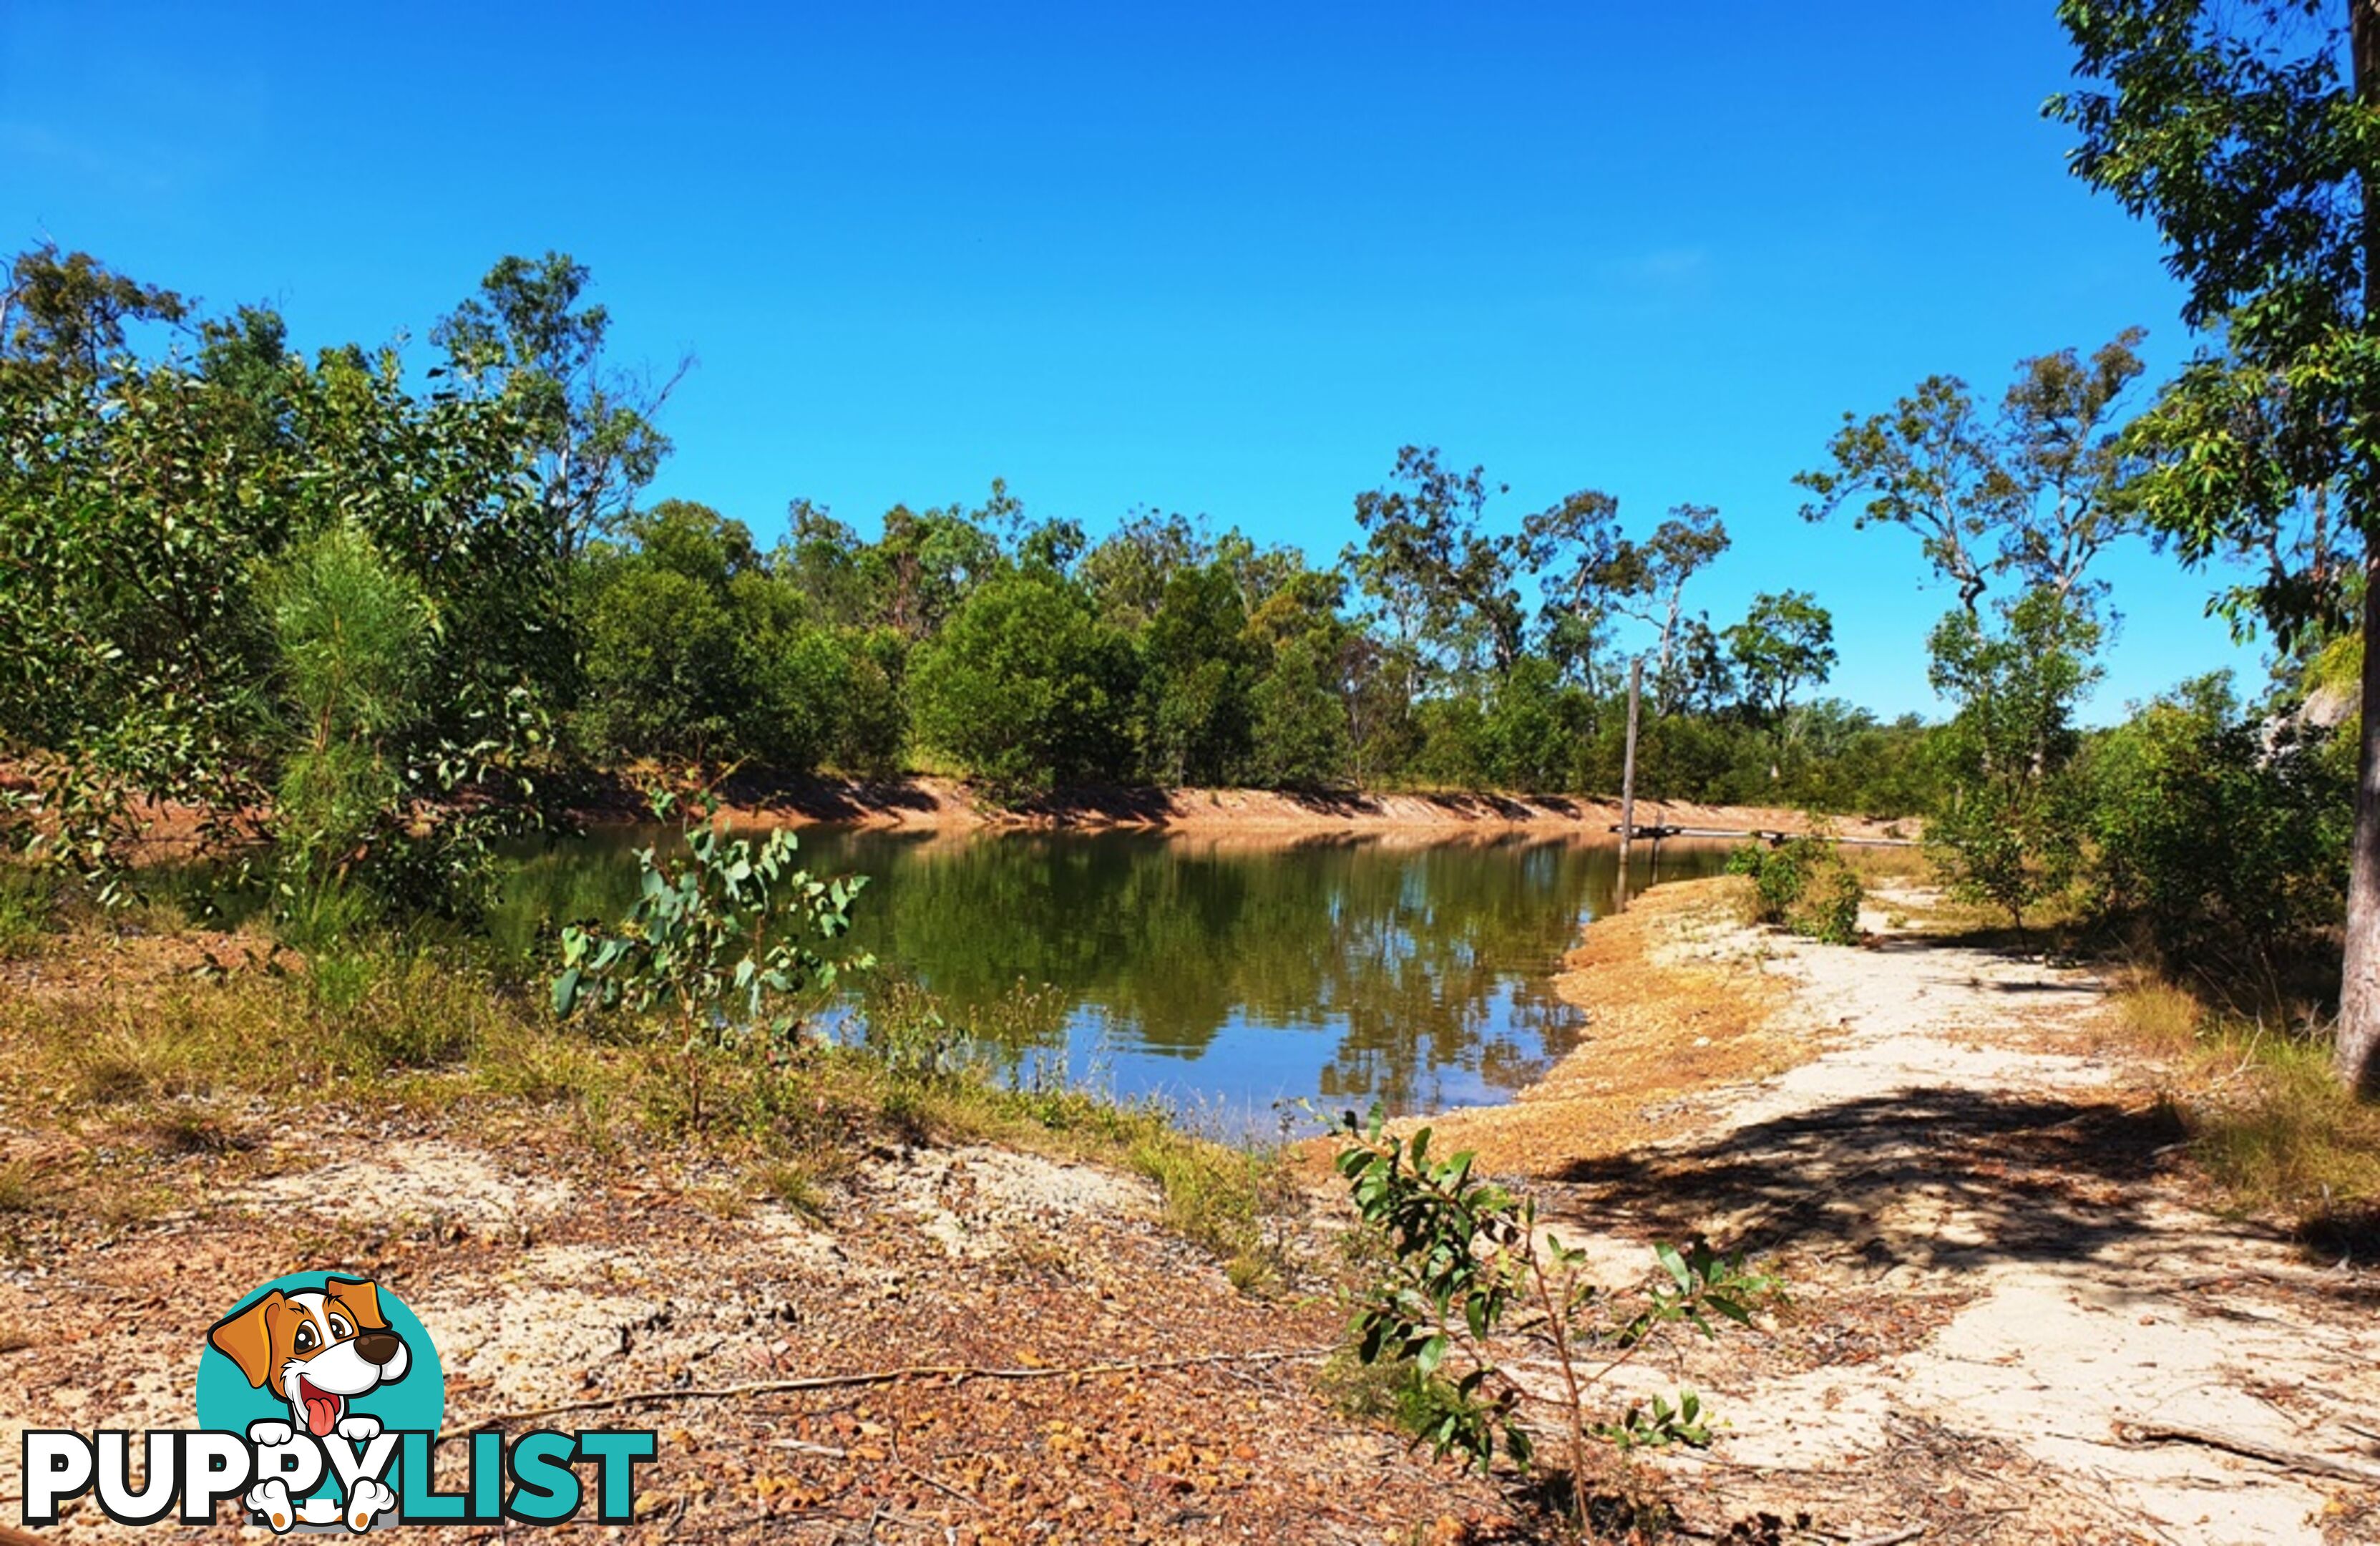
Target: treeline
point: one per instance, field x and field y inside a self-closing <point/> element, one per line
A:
<point x="365" y="606"/>
<point x="1024" y="655"/>
<point x="235" y="572"/>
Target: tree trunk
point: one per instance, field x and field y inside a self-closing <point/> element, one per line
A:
<point x="2358" y="1053"/>
<point x="1628" y="781"/>
<point x="2357" y="1058"/>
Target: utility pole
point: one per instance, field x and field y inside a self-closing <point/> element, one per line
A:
<point x="1628" y="778"/>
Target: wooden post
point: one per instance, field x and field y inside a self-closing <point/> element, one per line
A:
<point x="1628" y="779"/>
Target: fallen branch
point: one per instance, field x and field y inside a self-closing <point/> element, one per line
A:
<point x="2286" y="1459"/>
<point x="1895" y="1538"/>
<point x="955" y="1373"/>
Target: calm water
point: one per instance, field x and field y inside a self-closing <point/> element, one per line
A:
<point x="1221" y="977"/>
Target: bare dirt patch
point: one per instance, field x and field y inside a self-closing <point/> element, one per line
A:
<point x="624" y="1292"/>
<point x="921" y="801"/>
<point x="2002" y="1262"/>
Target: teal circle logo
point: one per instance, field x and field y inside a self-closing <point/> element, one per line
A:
<point x="335" y="1355"/>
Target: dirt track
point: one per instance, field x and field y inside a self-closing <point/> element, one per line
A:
<point x="2000" y="1271"/>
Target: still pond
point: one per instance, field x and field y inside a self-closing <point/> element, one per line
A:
<point x="1221" y="978"/>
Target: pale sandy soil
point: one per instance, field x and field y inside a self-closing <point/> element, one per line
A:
<point x="1997" y="1254"/>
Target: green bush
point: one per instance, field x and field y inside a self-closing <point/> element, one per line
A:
<point x="1027" y="688"/>
<point x="1802" y="886"/>
<point x="1455" y="1262"/>
<point x="2006" y="824"/>
<point x="2226" y="843"/>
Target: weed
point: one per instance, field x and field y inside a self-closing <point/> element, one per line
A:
<point x="181" y="1130"/>
<point x="25" y="908"/>
<point x="793" y="1185"/>
<point x="1221" y="1198"/>
<point x="22" y="1188"/>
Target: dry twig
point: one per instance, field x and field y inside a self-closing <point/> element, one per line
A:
<point x="2287" y="1459"/>
<point x="955" y="1373"/>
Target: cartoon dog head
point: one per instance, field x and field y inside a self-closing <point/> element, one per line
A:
<point x="315" y="1348"/>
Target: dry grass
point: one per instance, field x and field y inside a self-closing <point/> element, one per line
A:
<point x="2274" y="1128"/>
<point x="1875" y="865"/>
<point x="134" y="1082"/>
<point x="1675" y="1004"/>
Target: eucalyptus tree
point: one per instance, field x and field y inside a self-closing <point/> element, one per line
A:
<point x="1127" y="571"/>
<point x="1449" y="585"/>
<point x="1647" y="581"/>
<point x="63" y="314"/>
<point x="1785" y="643"/>
<point x="2250" y="134"/>
<point x="1572" y="547"/>
<point x="528" y="336"/>
<point x="2035" y="490"/>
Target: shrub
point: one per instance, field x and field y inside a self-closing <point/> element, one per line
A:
<point x="1461" y="1255"/>
<point x="722" y="941"/>
<point x="1027" y="688"/>
<point x="2005" y="828"/>
<point x="2226" y="843"/>
<point x="1802" y="886"/>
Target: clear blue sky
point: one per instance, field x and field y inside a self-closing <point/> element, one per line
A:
<point x="1220" y="258"/>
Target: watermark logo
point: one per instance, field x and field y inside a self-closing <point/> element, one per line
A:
<point x="320" y="1404"/>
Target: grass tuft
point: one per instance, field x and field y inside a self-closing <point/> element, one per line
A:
<point x="2274" y="1127"/>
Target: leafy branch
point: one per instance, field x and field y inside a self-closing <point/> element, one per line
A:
<point x="1466" y="1262"/>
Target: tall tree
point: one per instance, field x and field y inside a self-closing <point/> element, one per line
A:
<point x="1426" y="559"/>
<point x="1648" y="582"/>
<point x="1573" y="548"/>
<point x="63" y="314"/>
<point x="527" y="335"/>
<point x="1785" y="643"/>
<point x="2034" y="491"/>
<point x="2251" y="135"/>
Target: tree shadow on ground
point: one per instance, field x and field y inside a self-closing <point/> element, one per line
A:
<point x="822" y="798"/>
<point x="1939" y="1176"/>
<point x="1099" y="804"/>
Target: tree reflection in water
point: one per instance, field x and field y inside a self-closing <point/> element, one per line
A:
<point x="1229" y="973"/>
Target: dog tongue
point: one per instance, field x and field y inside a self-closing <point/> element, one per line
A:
<point x="321" y="1412"/>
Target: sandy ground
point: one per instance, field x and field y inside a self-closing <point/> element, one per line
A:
<point x="547" y="1280"/>
<point x="1989" y="1230"/>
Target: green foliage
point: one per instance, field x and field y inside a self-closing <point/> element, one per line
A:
<point x="1449" y="584"/>
<point x="721" y="940"/>
<point x="527" y="339"/>
<point x="1026" y="686"/>
<point x="1197" y="659"/>
<point x="2252" y="141"/>
<point x="1299" y="736"/>
<point x="144" y="503"/>
<point x="2227" y="839"/>
<point x="2037" y="491"/>
<point x="2010" y="823"/>
<point x="25" y="907"/>
<point x="351" y="637"/>
<point x="1785" y="643"/>
<point x="1803" y="885"/>
<point x="1464" y="1259"/>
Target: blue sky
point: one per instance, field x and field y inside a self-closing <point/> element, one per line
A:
<point x="1221" y="258"/>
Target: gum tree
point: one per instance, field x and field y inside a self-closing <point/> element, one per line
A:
<point x="2251" y="135"/>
